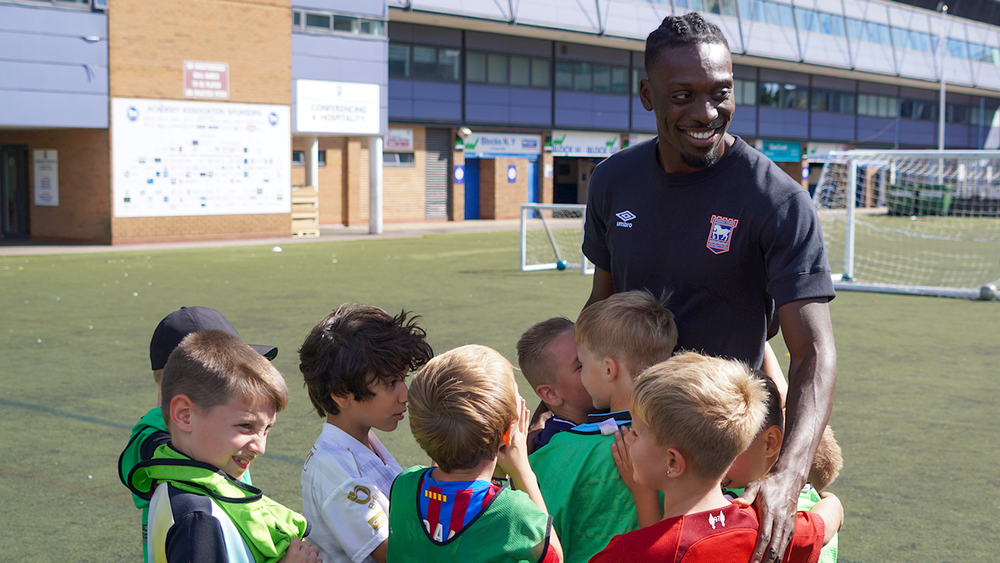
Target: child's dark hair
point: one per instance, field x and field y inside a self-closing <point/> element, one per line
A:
<point x="356" y="346"/>
<point x="678" y="31"/>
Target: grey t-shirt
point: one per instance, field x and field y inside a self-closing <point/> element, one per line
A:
<point x="730" y="243"/>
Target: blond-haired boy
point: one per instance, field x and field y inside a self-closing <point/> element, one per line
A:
<point x="219" y="400"/>
<point x="762" y="453"/>
<point x="466" y="414"/>
<point x="546" y="354"/>
<point x="693" y="415"/>
<point x="616" y="339"/>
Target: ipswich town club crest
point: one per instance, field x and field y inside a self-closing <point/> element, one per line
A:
<point x="721" y="234"/>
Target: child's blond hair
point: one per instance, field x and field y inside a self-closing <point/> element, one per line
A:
<point x="633" y="327"/>
<point x="461" y="403"/>
<point x="533" y="355"/>
<point x="710" y="409"/>
<point x="828" y="462"/>
<point x="211" y="367"/>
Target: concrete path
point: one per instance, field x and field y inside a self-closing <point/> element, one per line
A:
<point x="20" y="247"/>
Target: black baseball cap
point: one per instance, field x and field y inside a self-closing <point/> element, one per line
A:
<point x="175" y="326"/>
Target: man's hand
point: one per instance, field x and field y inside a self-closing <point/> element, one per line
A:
<point x="775" y="497"/>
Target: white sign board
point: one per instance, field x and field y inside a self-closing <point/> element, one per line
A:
<point x="575" y="143"/>
<point x="180" y="158"/>
<point x="399" y="140"/>
<point x="322" y="106"/>
<point x="492" y="145"/>
<point x="46" y="177"/>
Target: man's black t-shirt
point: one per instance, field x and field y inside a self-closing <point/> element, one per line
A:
<point x="730" y="243"/>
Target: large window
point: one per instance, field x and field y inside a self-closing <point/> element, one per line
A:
<point x="745" y="92"/>
<point x="299" y="158"/>
<point x="877" y="106"/>
<point x="502" y="69"/>
<point x="918" y="110"/>
<point x="423" y="62"/>
<point x="339" y="24"/>
<point x="868" y="31"/>
<point x="592" y="77"/>
<point x="957" y="113"/>
<point x="832" y="101"/>
<point x="788" y="96"/>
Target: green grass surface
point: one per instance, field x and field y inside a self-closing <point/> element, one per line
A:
<point x="915" y="408"/>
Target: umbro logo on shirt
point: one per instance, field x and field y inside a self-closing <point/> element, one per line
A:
<point x="626" y="219"/>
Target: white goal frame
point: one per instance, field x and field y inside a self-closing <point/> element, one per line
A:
<point x="974" y="174"/>
<point x="562" y="247"/>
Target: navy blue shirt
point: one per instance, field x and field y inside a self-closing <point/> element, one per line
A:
<point x="730" y="243"/>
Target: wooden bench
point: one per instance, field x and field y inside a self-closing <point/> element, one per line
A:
<point x="305" y="211"/>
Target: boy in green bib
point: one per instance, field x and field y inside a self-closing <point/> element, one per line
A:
<point x="219" y="399"/>
<point x="466" y="414"/>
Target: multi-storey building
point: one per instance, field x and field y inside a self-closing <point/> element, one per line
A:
<point x="125" y="120"/>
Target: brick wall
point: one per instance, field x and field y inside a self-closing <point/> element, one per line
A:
<point x="404" y="189"/>
<point x="84" y="211"/>
<point x="331" y="178"/>
<point x="500" y="198"/>
<point x="147" y="44"/>
<point x="456" y="210"/>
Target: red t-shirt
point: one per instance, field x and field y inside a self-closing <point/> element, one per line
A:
<point x="722" y="536"/>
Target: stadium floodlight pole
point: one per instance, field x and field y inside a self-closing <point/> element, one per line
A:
<point x="942" y="95"/>
<point x="375" y="185"/>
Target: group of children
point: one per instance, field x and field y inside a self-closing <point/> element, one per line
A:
<point x="628" y="464"/>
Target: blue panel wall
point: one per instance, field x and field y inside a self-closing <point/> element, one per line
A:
<point x="433" y="101"/>
<point x="876" y="130"/>
<point x="601" y="111"/>
<point x="826" y="126"/>
<point x="744" y="121"/>
<point x="507" y="105"/>
<point x="956" y="136"/>
<point x="917" y="133"/>
<point x="342" y="59"/>
<point x="783" y="123"/>
<point x="374" y="8"/>
<point x="50" y="75"/>
<point x="642" y="120"/>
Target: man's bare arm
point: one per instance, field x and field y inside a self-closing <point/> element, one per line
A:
<point x="603" y="288"/>
<point x="812" y="377"/>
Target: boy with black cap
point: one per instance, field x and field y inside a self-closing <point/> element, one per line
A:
<point x="151" y="430"/>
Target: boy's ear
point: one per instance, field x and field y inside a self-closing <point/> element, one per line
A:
<point x="343" y="401"/>
<point x="548" y="394"/>
<point x="773" y="441"/>
<point x="611" y="368"/>
<point x="676" y="462"/>
<point x="181" y="411"/>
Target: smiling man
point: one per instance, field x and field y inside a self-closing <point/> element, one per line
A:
<point x="698" y="213"/>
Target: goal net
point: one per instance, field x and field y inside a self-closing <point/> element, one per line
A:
<point x="552" y="237"/>
<point x="913" y="222"/>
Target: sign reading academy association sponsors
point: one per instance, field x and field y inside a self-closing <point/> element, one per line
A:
<point x="322" y="106"/>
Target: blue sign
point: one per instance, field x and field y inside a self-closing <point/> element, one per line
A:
<point x="783" y="151"/>
<point x="459" y="173"/>
<point x="511" y="173"/>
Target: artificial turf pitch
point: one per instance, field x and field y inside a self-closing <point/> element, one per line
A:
<point x="915" y="412"/>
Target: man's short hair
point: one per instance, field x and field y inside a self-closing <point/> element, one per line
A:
<point x="710" y="409"/>
<point x="633" y="327"/>
<point x="678" y="31"/>
<point x="212" y="367"/>
<point x="356" y="346"/>
<point x="461" y="404"/>
<point x="533" y="355"/>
